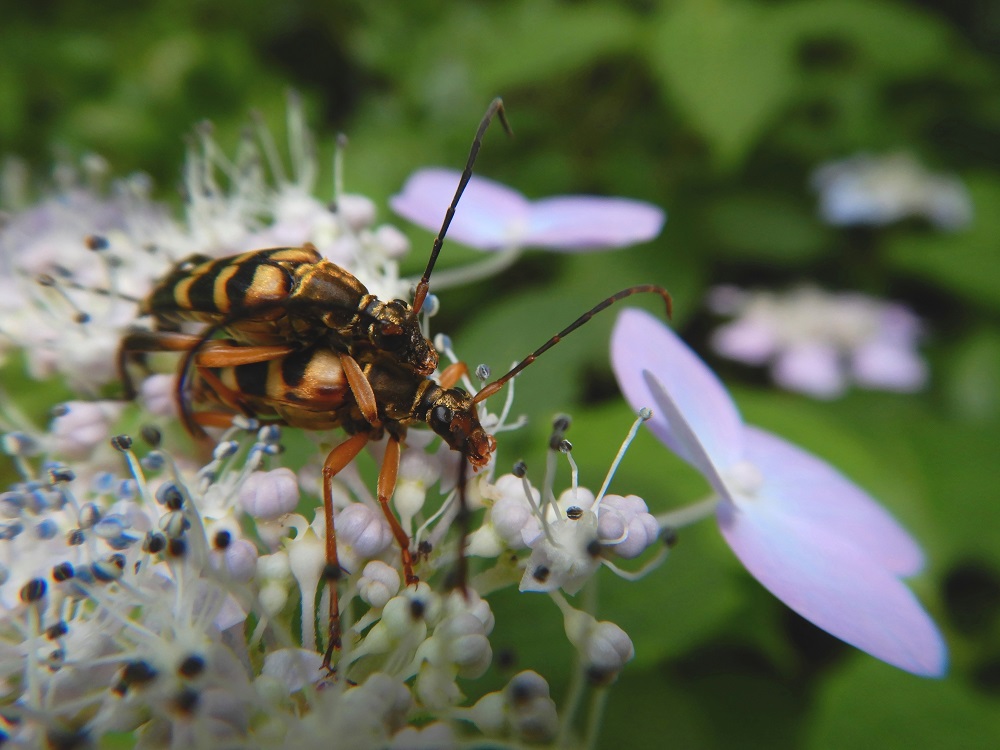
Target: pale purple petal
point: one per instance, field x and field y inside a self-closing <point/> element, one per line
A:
<point x="888" y="366"/>
<point x="584" y="222"/>
<point x="746" y="340"/>
<point x="811" y="368"/>
<point x="829" y="581"/>
<point x="642" y="342"/>
<point x="688" y="445"/>
<point x="489" y="216"/>
<point x="803" y="486"/>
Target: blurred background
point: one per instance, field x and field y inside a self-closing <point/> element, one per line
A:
<point x="721" y="112"/>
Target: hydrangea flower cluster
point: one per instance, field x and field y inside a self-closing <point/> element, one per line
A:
<point x="880" y="190"/>
<point x="817" y="342"/>
<point x="180" y="597"/>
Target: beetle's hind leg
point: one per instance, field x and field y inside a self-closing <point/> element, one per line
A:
<point x="337" y="459"/>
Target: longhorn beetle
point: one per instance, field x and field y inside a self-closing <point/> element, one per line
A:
<point x="309" y="347"/>
<point x="292" y="294"/>
<point x="316" y="387"/>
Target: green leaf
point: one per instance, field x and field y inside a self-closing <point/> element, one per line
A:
<point x="870" y="704"/>
<point x="890" y="38"/>
<point x="967" y="262"/>
<point x="765" y="227"/>
<point x="972" y="379"/>
<point x="727" y="67"/>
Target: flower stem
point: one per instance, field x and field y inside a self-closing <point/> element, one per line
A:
<point x="686" y="516"/>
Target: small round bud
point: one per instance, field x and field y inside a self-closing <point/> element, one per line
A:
<point x="393" y="242"/>
<point x="82" y="427"/>
<point x="241" y="560"/>
<point x="379" y="583"/>
<point x="268" y="495"/>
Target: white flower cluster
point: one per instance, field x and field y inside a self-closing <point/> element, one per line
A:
<point x="163" y="601"/>
<point x="74" y="265"/>
<point x="145" y="591"/>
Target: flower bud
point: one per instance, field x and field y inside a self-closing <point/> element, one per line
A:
<point x="378" y="584"/>
<point x="362" y="533"/>
<point x="267" y="495"/>
<point x="156" y="393"/>
<point x="82" y="427"/>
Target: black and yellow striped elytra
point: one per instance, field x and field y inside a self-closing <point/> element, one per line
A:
<point x="293" y="296"/>
<point x="289" y="294"/>
<point x="309" y="389"/>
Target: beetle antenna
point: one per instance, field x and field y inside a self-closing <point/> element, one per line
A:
<point x="495" y="110"/>
<point x="491" y="388"/>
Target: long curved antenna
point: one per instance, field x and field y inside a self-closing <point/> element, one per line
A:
<point x="490" y="388"/>
<point x="495" y="110"/>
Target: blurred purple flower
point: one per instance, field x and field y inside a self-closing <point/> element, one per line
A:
<point x="813" y="538"/>
<point x="878" y="190"/>
<point x="817" y="341"/>
<point x="492" y="216"/>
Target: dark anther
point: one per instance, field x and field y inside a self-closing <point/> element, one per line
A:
<point x="59" y="474"/>
<point x="331" y="572"/>
<point x="75" y="537"/>
<point x="424" y="548"/>
<point x="67" y="739"/>
<point x="59" y="410"/>
<point x="574" y="513"/>
<point x="170" y="496"/>
<point x="177" y="547"/>
<point x="505" y="659"/>
<point x="33" y="590"/>
<point x="154" y="542"/>
<point x="62" y="572"/>
<point x="96" y="242"/>
<point x="45" y="280"/>
<point x="417" y="608"/>
<point x="138" y="673"/>
<point x="82" y="317"/>
<point x="564" y="446"/>
<point x="121" y="443"/>
<point x="561" y="423"/>
<point x="58" y="630"/>
<point x="151" y="435"/>
<point x="118" y="560"/>
<point x="668" y="535"/>
<point x="599" y="676"/>
<point x="541" y="573"/>
<point x="105" y="571"/>
<point x="593" y="548"/>
<point x="192" y="666"/>
<point x="520" y="469"/>
<point x="186" y="701"/>
<point x="222" y="539"/>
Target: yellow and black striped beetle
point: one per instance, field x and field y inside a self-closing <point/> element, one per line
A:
<point x="307" y="346"/>
<point x="318" y="388"/>
<point x="292" y="294"/>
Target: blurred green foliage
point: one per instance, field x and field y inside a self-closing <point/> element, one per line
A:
<point x="717" y="110"/>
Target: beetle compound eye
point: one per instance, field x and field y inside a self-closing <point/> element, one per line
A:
<point x="442" y="414"/>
